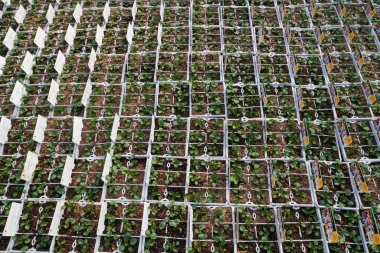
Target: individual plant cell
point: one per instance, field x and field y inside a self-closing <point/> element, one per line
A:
<point x="35" y="102"/>
<point x="371" y="173"/>
<point x="364" y="39"/>
<point x="212" y="229"/>
<point x="141" y="67"/>
<point x="316" y="104"/>
<point x="144" y="40"/>
<point x="206" y="38"/>
<point x="176" y="16"/>
<point x="126" y="178"/>
<point x="371" y="68"/>
<point x="332" y="184"/>
<point x="148" y="16"/>
<point x="169" y="137"/>
<point x="273" y="68"/>
<point x="205" y="14"/>
<point x="326" y="15"/>
<point x="108" y="69"/>
<point x="249" y="182"/>
<point x="133" y="136"/>
<point x="235" y="16"/>
<point x="300" y="229"/>
<point x="175" y="39"/>
<point x="104" y="100"/>
<point x="334" y="41"/>
<point x="139" y="99"/>
<point x="207" y="181"/>
<point x="355" y="15"/>
<point x="122" y="229"/>
<point x="205" y="67"/>
<point x="207" y="98"/>
<point x="173" y="99"/>
<point x="6" y="107"/>
<point x="167" y="179"/>
<point x="206" y="137"/>
<point x="264" y="14"/>
<point x="172" y="67"/>
<point x="58" y="137"/>
<point x="69" y="100"/>
<point x="296" y="16"/>
<point x="11" y="185"/>
<point x="323" y="144"/>
<point x="344" y="69"/>
<point x="167" y="228"/>
<point x="5" y="207"/>
<point x="95" y="137"/>
<point x="238" y="68"/>
<point x="256" y="229"/>
<point x="243" y="101"/>
<point x="352" y="102"/>
<point x="273" y="41"/>
<point x="278" y="101"/>
<point x="86" y="182"/>
<point x="290" y="182"/>
<point x="345" y="224"/>
<point x="20" y="137"/>
<point x="364" y="142"/>
<point x="309" y="71"/>
<point x="303" y="42"/>
<point x="237" y="40"/>
<point x="246" y="139"/>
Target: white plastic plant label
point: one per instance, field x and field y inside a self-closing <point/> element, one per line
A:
<point x="107" y="167"/>
<point x="115" y="127"/>
<point x="159" y="35"/>
<point x="70" y="35"/>
<point x="20" y="14"/>
<point x="39" y="131"/>
<point x="67" y="171"/>
<point x="106" y="12"/>
<point x="50" y="14"/>
<point x="87" y="93"/>
<point x="5" y="126"/>
<point x="9" y="39"/>
<point x="18" y="92"/>
<point x="53" y="230"/>
<point x="27" y="64"/>
<point x="102" y="215"/>
<point x="78" y="12"/>
<point x="53" y="92"/>
<point x="39" y="40"/>
<point x="77" y="130"/>
<point x="12" y="224"/>
<point x="29" y="166"/>
<point x="134" y="10"/>
<point x="59" y="62"/>
<point x="99" y="35"/>
<point x="130" y="34"/>
<point x="162" y="11"/>
<point x="91" y="61"/>
<point x="2" y="62"/>
<point x="6" y="2"/>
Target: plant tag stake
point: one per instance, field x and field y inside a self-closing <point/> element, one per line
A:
<point x="287" y="33"/>
<point x="370" y="10"/>
<point x="20" y="14"/>
<point x="130" y="34"/>
<point x="29" y="166"/>
<point x="159" y="34"/>
<point x="53" y="92"/>
<point x="9" y="39"/>
<point x="300" y="98"/>
<point x="282" y="10"/>
<point x="358" y="177"/>
<point x="53" y="230"/>
<point x="317" y="174"/>
<point x="91" y="61"/>
<point x="312" y="8"/>
<point x="134" y="10"/>
<point x="376" y="122"/>
<point x="27" y="64"/>
<point x="77" y="12"/>
<point x="87" y="93"/>
<point x="6" y="2"/>
<point x="39" y="130"/>
<point x="341" y="8"/>
<point x="293" y="62"/>
<point x="67" y="171"/>
<point x="344" y="133"/>
<point x="18" y="92"/>
<point x="328" y="63"/>
<point x="77" y="130"/>
<point x="359" y="58"/>
<point x="319" y="34"/>
<point x="369" y="94"/>
<point x="329" y="222"/>
<point x="5" y="126"/>
<point x="304" y="132"/>
<point x="348" y="32"/>
<point x="107" y="167"/>
<point x="371" y="227"/>
<point x="59" y="62"/>
<point x="2" y="63"/>
<point x="102" y="215"/>
<point x="115" y="127"/>
<point x="99" y="35"/>
<point x="12" y="224"/>
<point x="283" y="230"/>
<point x="263" y="94"/>
<point x="50" y="14"/>
<point x="334" y="94"/>
<point x="260" y="33"/>
<point x="162" y="12"/>
<point x="70" y="35"/>
<point x="106" y="12"/>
